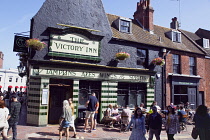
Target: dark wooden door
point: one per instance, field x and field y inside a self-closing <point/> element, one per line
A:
<point x="192" y="97"/>
<point x="57" y="95"/>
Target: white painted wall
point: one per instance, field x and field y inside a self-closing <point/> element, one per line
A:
<point x="11" y="78"/>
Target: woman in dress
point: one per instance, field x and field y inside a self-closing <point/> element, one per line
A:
<point x="65" y="120"/>
<point x="4" y="112"/>
<point x="138" y="130"/>
<point x="172" y="123"/>
<point x="202" y="122"/>
<point x="72" y="118"/>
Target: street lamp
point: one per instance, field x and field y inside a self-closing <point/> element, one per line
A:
<point x="21" y="70"/>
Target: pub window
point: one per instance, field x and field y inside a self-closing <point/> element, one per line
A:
<point x="192" y="66"/>
<point x="10" y="79"/>
<point x="16" y="80"/>
<point x="0" y="79"/>
<point x="176" y="64"/>
<point x="131" y="94"/>
<point x="141" y="57"/>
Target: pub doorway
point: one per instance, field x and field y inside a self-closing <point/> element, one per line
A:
<point x="60" y="90"/>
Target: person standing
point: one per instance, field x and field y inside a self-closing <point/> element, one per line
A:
<point x="95" y="117"/>
<point x="91" y="108"/>
<point x="14" y="115"/>
<point x="65" y="119"/>
<point x="172" y="123"/>
<point x="154" y="124"/>
<point x="4" y="113"/>
<point x="154" y="103"/>
<point x="72" y="118"/>
<point x="138" y="130"/>
<point x="202" y="122"/>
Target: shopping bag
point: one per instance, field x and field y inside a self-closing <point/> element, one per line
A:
<point x="194" y="133"/>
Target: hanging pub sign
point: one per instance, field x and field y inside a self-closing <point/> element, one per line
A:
<point x="19" y="44"/>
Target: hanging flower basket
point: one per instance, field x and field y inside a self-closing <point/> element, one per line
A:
<point x="122" y="55"/>
<point x="158" y="61"/>
<point x="35" y="44"/>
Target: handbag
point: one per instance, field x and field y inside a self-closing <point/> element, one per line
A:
<point x="194" y="133"/>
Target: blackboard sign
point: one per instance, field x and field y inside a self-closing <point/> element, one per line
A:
<point x="20" y="44"/>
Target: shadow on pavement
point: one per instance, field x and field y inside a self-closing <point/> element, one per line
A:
<point x="31" y="138"/>
<point x="47" y="134"/>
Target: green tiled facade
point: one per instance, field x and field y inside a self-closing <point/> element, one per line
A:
<point x="37" y="114"/>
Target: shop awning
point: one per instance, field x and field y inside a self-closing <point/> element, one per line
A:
<point x="24" y="86"/>
<point x="0" y="86"/>
<point x="16" y="86"/>
<point x="10" y="86"/>
<point x="21" y="86"/>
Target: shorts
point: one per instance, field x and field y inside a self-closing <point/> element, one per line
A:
<point x="4" y="129"/>
<point x="65" y="124"/>
<point x="90" y="114"/>
<point x="95" y="116"/>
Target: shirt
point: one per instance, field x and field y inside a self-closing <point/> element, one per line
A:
<point x="92" y="103"/>
<point x="14" y="112"/>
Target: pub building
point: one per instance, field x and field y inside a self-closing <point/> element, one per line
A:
<point x="80" y="58"/>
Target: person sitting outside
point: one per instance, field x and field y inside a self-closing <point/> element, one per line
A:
<point x="115" y="115"/>
<point x="126" y="112"/>
<point x="142" y="107"/>
<point x="155" y="104"/>
<point x="182" y="114"/>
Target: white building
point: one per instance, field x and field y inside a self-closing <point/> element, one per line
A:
<point x="11" y="81"/>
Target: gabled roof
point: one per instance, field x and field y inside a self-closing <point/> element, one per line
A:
<point x="140" y="35"/>
<point x="202" y="34"/>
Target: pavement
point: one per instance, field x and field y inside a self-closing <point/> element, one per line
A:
<point x="50" y="132"/>
<point x="102" y="132"/>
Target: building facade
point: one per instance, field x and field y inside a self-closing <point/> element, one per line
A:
<point x="81" y="56"/>
<point x="11" y="81"/>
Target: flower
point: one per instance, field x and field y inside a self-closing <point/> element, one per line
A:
<point x="35" y="44"/>
<point x="122" y="55"/>
<point x="158" y="61"/>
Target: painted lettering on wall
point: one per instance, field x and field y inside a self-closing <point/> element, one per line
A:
<point x="91" y="75"/>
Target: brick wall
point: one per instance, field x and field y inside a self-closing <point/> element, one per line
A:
<point x="207" y="80"/>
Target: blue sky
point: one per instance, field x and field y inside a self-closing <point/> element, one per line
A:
<point x="15" y="18"/>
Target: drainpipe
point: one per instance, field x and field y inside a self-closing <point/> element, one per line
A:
<point x="164" y="79"/>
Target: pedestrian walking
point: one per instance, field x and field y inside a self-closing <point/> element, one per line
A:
<point x="138" y="129"/>
<point x="72" y="118"/>
<point x="90" y="112"/>
<point x="65" y="119"/>
<point x="202" y="122"/>
<point x="4" y="113"/>
<point x="172" y="123"/>
<point x="14" y="112"/>
<point x="154" y="124"/>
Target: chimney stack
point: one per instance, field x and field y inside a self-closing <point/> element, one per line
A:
<point x="174" y="23"/>
<point x="144" y="14"/>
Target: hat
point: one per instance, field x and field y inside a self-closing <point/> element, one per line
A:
<point x="14" y="96"/>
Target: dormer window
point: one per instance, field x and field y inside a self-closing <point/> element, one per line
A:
<point x="205" y="43"/>
<point x="175" y="36"/>
<point x="123" y="24"/>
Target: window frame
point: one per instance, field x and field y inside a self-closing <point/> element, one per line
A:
<point x="176" y="64"/>
<point x="192" y="65"/>
<point x="205" y="43"/>
<point x="10" y="79"/>
<point x="139" y="58"/>
<point x="176" y="36"/>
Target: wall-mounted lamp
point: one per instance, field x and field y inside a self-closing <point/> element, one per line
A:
<point x="45" y="85"/>
<point x="21" y="70"/>
<point x="158" y="75"/>
<point x="164" y="50"/>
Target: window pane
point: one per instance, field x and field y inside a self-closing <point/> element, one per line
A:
<point x="141" y="57"/>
